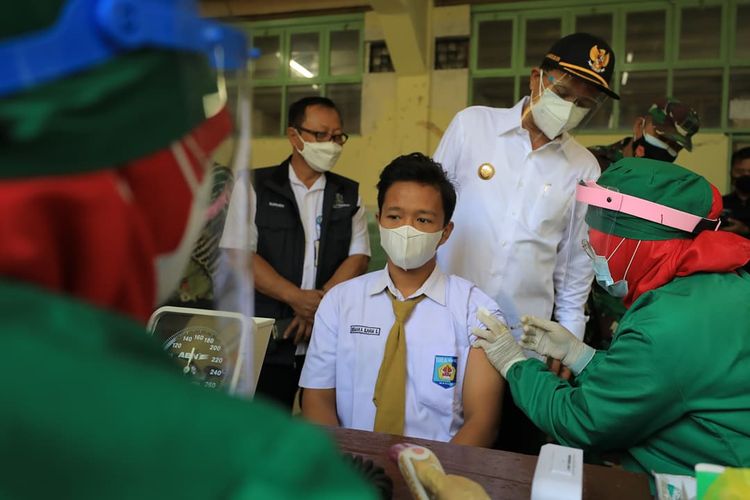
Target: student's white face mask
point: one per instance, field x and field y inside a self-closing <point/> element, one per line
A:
<point x="553" y="115"/>
<point x="408" y="247"/>
<point x="321" y="156"/>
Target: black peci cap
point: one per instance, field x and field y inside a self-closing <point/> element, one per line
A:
<point x="585" y="56"/>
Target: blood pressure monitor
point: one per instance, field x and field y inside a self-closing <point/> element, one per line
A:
<point x="207" y="345"/>
<point x="216" y="349"/>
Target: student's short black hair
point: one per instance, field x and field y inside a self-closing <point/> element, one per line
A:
<point x="416" y="167"/>
<point x="740" y="155"/>
<point x="297" y="110"/>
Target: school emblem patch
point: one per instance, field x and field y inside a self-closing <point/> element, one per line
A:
<point x="598" y="59"/>
<point x="444" y="371"/>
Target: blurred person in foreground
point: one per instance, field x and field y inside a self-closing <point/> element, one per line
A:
<point x="107" y="140"/>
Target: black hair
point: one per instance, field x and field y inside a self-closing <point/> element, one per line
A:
<point x="548" y="65"/>
<point x="740" y="155"/>
<point x="416" y="167"/>
<point x="297" y="110"/>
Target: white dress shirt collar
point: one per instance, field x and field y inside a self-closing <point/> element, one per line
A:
<point x="433" y="287"/>
<point x="320" y="182"/>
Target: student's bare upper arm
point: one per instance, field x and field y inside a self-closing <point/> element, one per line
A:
<point x="483" y="386"/>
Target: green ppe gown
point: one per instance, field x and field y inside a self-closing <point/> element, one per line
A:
<point x="92" y="408"/>
<point x="673" y="389"/>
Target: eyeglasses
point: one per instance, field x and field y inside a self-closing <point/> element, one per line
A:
<point x="339" y="139"/>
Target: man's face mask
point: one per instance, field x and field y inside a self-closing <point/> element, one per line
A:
<point x="321" y="156"/>
<point x="408" y="247"/>
<point x="553" y="115"/>
<point x="649" y="146"/>
<point x="602" y="273"/>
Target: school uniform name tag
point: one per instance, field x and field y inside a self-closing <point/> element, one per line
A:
<point x="363" y="330"/>
<point x="444" y="371"/>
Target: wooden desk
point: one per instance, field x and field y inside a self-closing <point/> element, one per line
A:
<point x="503" y="474"/>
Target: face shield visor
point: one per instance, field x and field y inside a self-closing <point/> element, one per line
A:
<point x="206" y="323"/>
<point x="182" y="184"/>
<point x="561" y="102"/>
<point x="611" y="214"/>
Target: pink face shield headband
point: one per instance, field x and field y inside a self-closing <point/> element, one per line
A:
<point x="593" y="194"/>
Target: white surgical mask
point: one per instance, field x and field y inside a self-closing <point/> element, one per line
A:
<point x="553" y="114"/>
<point x="656" y="142"/>
<point x="408" y="247"/>
<point x="321" y="156"/>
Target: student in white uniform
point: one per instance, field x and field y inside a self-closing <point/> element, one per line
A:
<point x="419" y="377"/>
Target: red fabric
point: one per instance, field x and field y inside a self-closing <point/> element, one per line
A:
<point x="96" y="235"/>
<point x="658" y="262"/>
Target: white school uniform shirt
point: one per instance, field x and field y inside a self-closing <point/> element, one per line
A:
<point x="310" y="204"/>
<point x="348" y="341"/>
<point x="518" y="234"/>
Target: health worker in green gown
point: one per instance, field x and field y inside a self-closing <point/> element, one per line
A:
<point x="110" y="115"/>
<point x="673" y="389"/>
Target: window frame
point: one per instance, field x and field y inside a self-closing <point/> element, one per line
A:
<point x="568" y="10"/>
<point x="285" y="29"/>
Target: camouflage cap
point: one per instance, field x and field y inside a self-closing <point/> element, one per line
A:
<point x="675" y="121"/>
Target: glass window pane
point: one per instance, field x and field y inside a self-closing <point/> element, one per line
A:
<point x="739" y="98"/>
<point x="700" y="33"/>
<point x="269" y="62"/>
<point x="741" y="33"/>
<point x="304" y="55"/>
<point x="344" y="52"/>
<point x="451" y="53"/>
<point x="266" y="118"/>
<point x="525" y="86"/>
<point x="296" y="92"/>
<point x="540" y="35"/>
<point x="348" y="99"/>
<point x="495" y="44"/>
<point x="495" y="92"/>
<point x="380" y="58"/>
<point x="701" y="90"/>
<point x="644" y="39"/>
<point x="596" y="24"/>
<point x="638" y="90"/>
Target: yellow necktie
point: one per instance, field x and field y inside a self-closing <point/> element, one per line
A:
<point x="390" y="389"/>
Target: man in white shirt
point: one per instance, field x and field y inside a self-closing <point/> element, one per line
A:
<point x="518" y="227"/>
<point x="447" y="389"/>
<point x="308" y="233"/>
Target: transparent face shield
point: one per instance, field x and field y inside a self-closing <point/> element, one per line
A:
<point x="600" y="245"/>
<point x="207" y="324"/>
<point x="185" y="188"/>
<point x="560" y="103"/>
